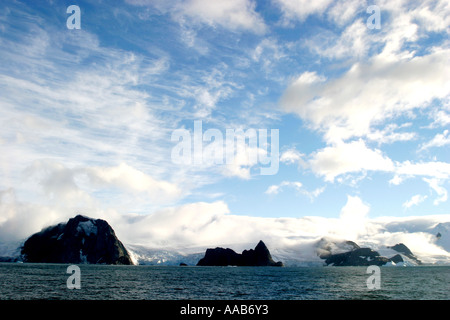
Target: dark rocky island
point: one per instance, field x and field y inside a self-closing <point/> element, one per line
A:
<point x="260" y="256"/>
<point x="80" y="240"/>
<point x="357" y="256"/>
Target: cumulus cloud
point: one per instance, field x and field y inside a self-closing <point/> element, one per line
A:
<point x="368" y="93"/>
<point x="336" y="162"/>
<point x="65" y="184"/>
<point x="353" y="218"/>
<point x="343" y="158"/>
<point x="130" y="179"/>
<point x="291" y="156"/>
<point x="21" y="219"/>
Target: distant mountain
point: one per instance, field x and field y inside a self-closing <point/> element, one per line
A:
<point x="80" y="240"/>
<point x="260" y="256"/>
<point x="404" y="250"/>
<point x="442" y="234"/>
<point x="357" y="256"/>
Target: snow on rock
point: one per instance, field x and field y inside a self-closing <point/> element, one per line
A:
<point x="87" y="227"/>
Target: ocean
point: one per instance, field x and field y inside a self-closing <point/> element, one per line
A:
<point x="31" y="281"/>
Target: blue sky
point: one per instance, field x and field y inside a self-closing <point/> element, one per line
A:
<point x="87" y="115"/>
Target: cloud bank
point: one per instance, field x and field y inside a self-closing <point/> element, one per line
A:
<point x="193" y="227"/>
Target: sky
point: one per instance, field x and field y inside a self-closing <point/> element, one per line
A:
<point x="349" y="103"/>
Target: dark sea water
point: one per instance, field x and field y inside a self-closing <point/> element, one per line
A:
<point x="49" y="281"/>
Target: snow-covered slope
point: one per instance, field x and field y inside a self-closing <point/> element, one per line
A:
<point x="10" y="248"/>
<point x="143" y="255"/>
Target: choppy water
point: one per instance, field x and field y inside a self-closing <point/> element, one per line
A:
<point x="49" y="281"/>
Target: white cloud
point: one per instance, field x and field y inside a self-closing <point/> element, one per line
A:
<point x="414" y="201"/>
<point x="334" y="162"/>
<point x="396" y="180"/>
<point x="343" y="158"/>
<point x="132" y="180"/>
<point x="439" y="140"/>
<point x="441" y="191"/>
<point x="232" y="14"/>
<point x="22" y="219"/>
<point x="301" y="9"/>
<point x="440" y="118"/>
<point x="206" y="88"/>
<point x="274" y="189"/>
<point x="342" y="12"/>
<point x="269" y="53"/>
<point x="432" y="16"/>
<point x="354" y="42"/>
<point x="297" y="186"/>
<point x="388" y="134"/>
<point x="435" y="169"/>
<point x="368" y="93"/>
<point x="353" y="218"/>
<point x="186" y="225"/>
<point x="355" y="208"/>
<point x="81" y="111"/>
<point x="122" y="187"/>
<point x="291" y="156"/>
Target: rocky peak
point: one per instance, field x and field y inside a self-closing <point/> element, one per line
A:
<point x="80" y="240"/>
<point x="260" y="256"/>
<point x="400" y="247"/>
<point x="403" y="249"/>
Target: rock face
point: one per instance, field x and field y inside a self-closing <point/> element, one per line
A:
<point x="260" y="256"/>
<point x="401" y="248"/>
<point x="80" y="240"/>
